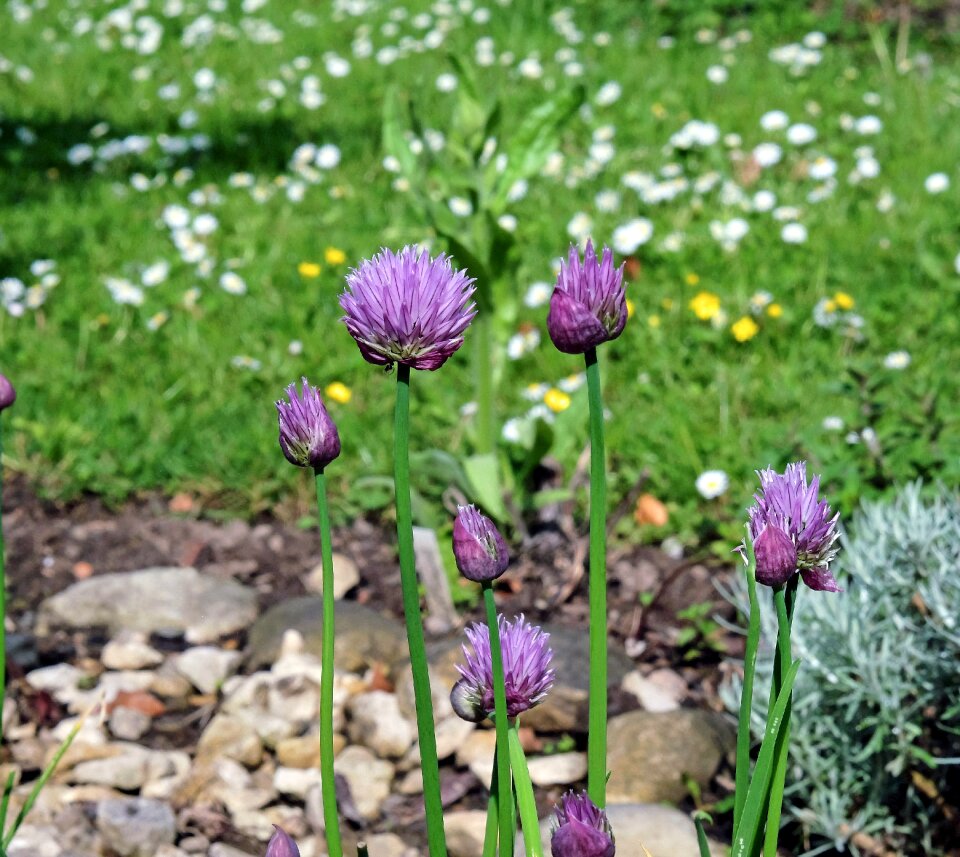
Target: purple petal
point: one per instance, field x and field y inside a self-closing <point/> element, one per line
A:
<point x="820" y="579"/>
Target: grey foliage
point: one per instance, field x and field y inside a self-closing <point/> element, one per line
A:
<point x="879" y="687"/>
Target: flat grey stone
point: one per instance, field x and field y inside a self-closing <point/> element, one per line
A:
<point x="136" y="827"/>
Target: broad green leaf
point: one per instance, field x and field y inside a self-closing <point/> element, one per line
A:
<point x="394" y="141"/>
<point x="483" y="471"/>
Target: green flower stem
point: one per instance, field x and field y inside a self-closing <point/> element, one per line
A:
<point x="501" y="723"/>
<point x="597" y="719"/>
<point x="525" y="799"/>
<point x="490" y="834"/>
<point x="331" y="821"/>
<point x="775" y="804"/>
<point x="698" y="819"/>
<point x="411" y="609"/>
<point x="746" y="696"/>
<point x="482" y="335"/>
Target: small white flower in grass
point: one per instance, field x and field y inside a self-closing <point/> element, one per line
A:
<point x="507" y="222"/>
<point x="155" y="274"/>
<point x="801" y="134"/>
<point x="460" y="206"/>
<point x="535" y="392"/>
<point x="158" y="320"/>
<point x="204" y="79"/>
<point x="176" y="217"/>
<point x="764" y="200"/>
<point x="244" y="361"/>
<point x="512" y="431"/>
<point x="897" y="360"/>
<point x="232" y="283"/>
<point x="767" y="154"/>
<point x="886" y="202"/>
<point x="538" y="294"/>
<point x="205" y="224"/>
<point x="832" y="424"/>
<point x="295" y="348"/>
<point x="937" y="183"/>
<point x="774" y="120"/>
<point x="447" y="82"/>
<point x="868" y="125"/>
<point x="956" y="263"/>
<point x="336" y="65"/>
<point x="328" y="156"/>
<point x="530" y="68"/>
<point x="794" y="233"/>
<point x="822" y="168"/>
<point x="572" y="382"/>
<point x="712" y="483"/>
<point x="632" y="234"/>
<point x="717" y="74"/>
<point x="580" y="226"/>
<point x="868" y="168"/>
<point x="814" y="40"/>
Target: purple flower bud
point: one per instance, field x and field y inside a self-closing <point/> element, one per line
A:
<point x="526" y="668"/>
<point x="478" y="547"/>
<point x="776" y="556"/>
<point x="588" y="305"/>
<point x="308" y="437"/>
<point x="788" y="509"/>
<point x="580" y="829"/>
<point x="408" y="308"/>
<point x="7" y="394"/>
<point x="281" y="845"/>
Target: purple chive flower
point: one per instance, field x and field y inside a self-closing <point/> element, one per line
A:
<point x="793" y="530"/>
<point x="478" y="547"/>
<point x="588" y="305"/>
<point x="7" y="394"/>
<point x="281" y="844"/>
<point x="580" y="829"/>
<point x="408" y="308"/>
<point x="526" y="668"/>
<point x="308" y="437"/>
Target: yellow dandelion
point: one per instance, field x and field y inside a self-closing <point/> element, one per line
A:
<point x="692" y="279"/>
<point x="774" y="310"/>
<point x="631" y="308"/>
<point x="654" y="321"/>
<point x="339" y="392"/>
<point x="308" y="270"/>
<point x="843" y="300"/>
<point x="556" y="400"/>
<point x="334" y="256"/>
<point x="705" y="305"/>
<point x="744" y="328"/>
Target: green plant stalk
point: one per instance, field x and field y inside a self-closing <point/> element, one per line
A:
<point x="331" y="820"/>
<point x="482" y="335"/>
<point x="775" y="803"/>
<point x="597" y="719"/>
<point x="746" y="697"/>
<point x="490" y="833"/>
<point x="501" y="724"/>
<point x="5" y="804"/>
<point x="702" y="842"/>
<point x="433" y="806"/>
<point x="526" y="802"/>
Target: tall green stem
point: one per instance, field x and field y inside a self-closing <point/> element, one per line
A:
<point x="493" y="813"/>
<point x="775" y="805"/>
<point x="482" y="335"/>
<point x="500" y="722"/>
<point x="597" y="719"/>
<point x="411" y="610"/>
<point x="526" y="802"/>
<point x="746" y="696"/>
<point x="331" y="820"/>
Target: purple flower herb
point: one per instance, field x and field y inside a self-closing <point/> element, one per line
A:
<point x="478" y="547"/>
<point x="580" y="829"/>
<point x="281" y="845"/>
<point x="7" y="394"/>
<point x="308" y="437"/>
<point x="793" y="530"/>
<point x="588" y="305"/>
<point x="526" y="668"/>
<point x="408" y="308"/>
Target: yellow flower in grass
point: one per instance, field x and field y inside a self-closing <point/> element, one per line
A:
<point x="744" y="328"/>
<point x="654" y="321"/>
<point x="334" y="256"/>
<point x="692" y="279"/>
<point x="830" y="306"/>
<point x="775" y="311"/>
<point x="843" y="300"/>
<point x="338" y="392"/>
<point x="631" y="308"/>
<point x="556" y="400"/>
<point x="309" y="270"/>
<point x="705" y="305"/>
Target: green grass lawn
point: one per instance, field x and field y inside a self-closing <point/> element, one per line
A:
<point x="175" y="135"/>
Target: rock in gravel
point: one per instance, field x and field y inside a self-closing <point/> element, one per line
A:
<point x="465" y="829"/>
<point x="662" y="830"/>
<point x="221" y="849"/>
<point x="129" y="650"/>
<point x="364" y="637"/>
<point x="389" y="845"/>
<point x="182" y="599"/>
<point x="231" y="737"/>
<point x="662" y="690"/>
<point x="207" y="667"/>
<point x="369" y="779"/>
<point x="346" y="575"/>
<point x="295" y="782"/>
<point x="476" y="753"/>
<point x="559" y="769"/>
<point x="650" y="754"/>
<point x="376" y="722"/>
<point x="33" y="841"/>
<point x="128" y="724"/>
<point x="136" y="827"/>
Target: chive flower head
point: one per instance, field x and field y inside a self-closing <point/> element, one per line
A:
<point x="580" y="829"/>
<point x="281" y="844"/>
<point x="478" y="547"/>
<point x="308" y="437"/>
